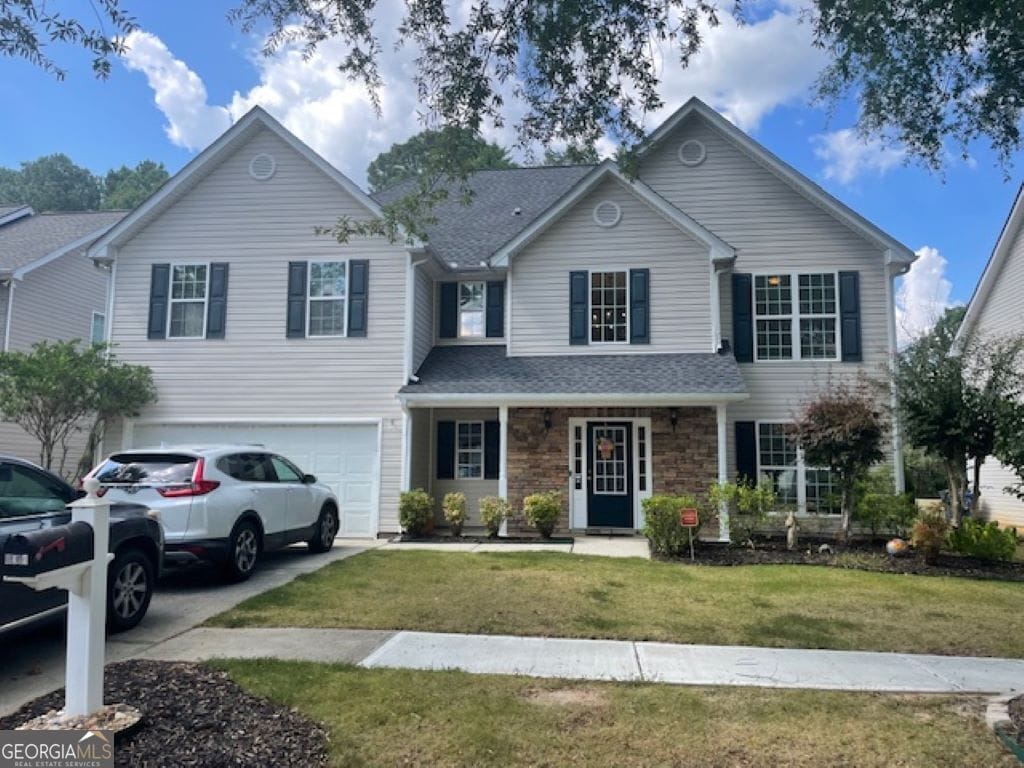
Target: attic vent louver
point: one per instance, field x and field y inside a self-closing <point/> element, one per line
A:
<point x="607" y="213"/>
<point x="692" y="152"/>
<point x="262" y="167"/>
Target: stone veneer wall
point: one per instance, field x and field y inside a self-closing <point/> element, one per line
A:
<point x="683" y="461"/>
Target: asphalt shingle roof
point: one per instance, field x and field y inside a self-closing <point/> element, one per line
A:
<point x="475" y="370"/>
<point x="33" y="237"/>
<point x="465" y="235"/>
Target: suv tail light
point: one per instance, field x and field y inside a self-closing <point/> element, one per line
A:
<point x="198" y="487"/>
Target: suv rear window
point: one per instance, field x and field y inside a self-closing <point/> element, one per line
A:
<point x="147" y="469"/>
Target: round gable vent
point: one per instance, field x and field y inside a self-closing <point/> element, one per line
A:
<point x="692" y="152"/>
<point x="607" y="213"/>
<point x="262" y="167"/>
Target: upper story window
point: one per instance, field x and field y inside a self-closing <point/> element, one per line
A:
<point x="472" y="297"/>
<point x="809" y="489"/>
<point x="328" y="288"/>
<point x="609" y="307"/>
<point x="800" y="324"/>
<point x="469" y="449"/>
<point x="189" y="283"/>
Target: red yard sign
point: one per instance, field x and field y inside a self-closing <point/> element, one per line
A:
<point x="688" y="518"/>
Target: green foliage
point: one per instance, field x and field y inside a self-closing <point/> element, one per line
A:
<point x="573" y="154"/>
<point x="880" y="508"/>
<point x="661" y="524"/>
<point x="925" y="476"/>
<point x="983" y="540"/>
<point x="494" y="510"/>
<point x="542" y="510"/>
<point x="454" y="508"/>
<point x="52" y="390"/>
<point x="125" y="188"/>
<point x="416" y="512"/>
<point x="748" y="505"/>
<point x="929" y="534"/>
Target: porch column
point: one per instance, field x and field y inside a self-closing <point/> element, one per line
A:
<point x="723" y="470"/>
<point x="406" y="480"/>
<point x="503" y="461"/>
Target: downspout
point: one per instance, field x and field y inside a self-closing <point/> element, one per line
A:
<point x="7" y="321"/>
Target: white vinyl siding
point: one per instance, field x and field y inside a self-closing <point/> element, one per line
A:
<point x="423" y="317"/>
<point x="680" y="302"/>
<point x="256" y="372"/>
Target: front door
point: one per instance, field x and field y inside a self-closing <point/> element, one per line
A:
<point x="610" y="480"/>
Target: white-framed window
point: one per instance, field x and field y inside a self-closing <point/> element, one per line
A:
<point x="190" y="284"/>
<point x="796" y="316"/>
<point x="472" y="310"/>
<point x="609" y="307"/>
<point x="469" y="449"/>
<point x="98" y="328"/>
<point x="327" y="296"/>
<point x="779" y="459"/>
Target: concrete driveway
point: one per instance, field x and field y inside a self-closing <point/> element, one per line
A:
<point x="32" y="662"/>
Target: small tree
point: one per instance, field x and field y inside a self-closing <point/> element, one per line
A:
<point x="842" y="429"/>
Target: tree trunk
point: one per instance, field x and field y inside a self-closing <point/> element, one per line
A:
<point x="92" y="444"/>
<point x="976" y="487"/>
<point x="955" y="479"/>
<point x="845" y="513"/>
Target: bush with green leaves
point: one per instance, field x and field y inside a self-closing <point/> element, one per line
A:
<point x="542" y="510"/>
<point x="416" y="512"/>
<point x="748" y="506"/>
<point x="493" y="512"/>
<point x="662" y="526"/>
<point x="986" y="541"/>
<point x="880" y="508"/>
<point x="454" y="509"/>
<point x="929" y="534"/>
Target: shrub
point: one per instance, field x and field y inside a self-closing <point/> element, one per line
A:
<point x="454" y="508"/>
<point x="748" y="506"/>
<point x="493" y="512"/>
<point x="542" y="511"/>
<point x="880" y="508"/>
<point x="416" y="512"/>
<point x="929" y="534"/>
<point x="661" y="524"/>
<point x="984" y="540"/>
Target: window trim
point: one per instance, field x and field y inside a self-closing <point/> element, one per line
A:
<point x="310" y="299"/>
<point x="794" y="316"/>
<point x="482" y="450"/>
<point x="801" y="470"/>
<point x="171" y="301"/>
<point x="590" y="306"/>
<point x="92" y="328"/>
<point x="458" y="316"/>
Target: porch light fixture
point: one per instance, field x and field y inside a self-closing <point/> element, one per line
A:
<point x="547" y="418"/>
<point x="673" y="418"/>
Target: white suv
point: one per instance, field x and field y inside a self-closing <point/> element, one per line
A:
<point x="225" y="504"/>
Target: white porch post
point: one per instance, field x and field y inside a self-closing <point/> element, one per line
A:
<point x="406" y="483"/>
<point x="503" y="461"/>
<point x="723" y="470"/>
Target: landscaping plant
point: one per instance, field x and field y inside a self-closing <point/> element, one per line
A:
<point x="493" y="512"/>
<point x="986" y="541"/>
<point x="880" y="508"/>
<point x="748" y="506"/>
<point x="929" y="534"/>
<point x="416" y="512"/>
<point x="542" y="511"/>
<point x="454" y="508"/>
<point x="662" y="526"/>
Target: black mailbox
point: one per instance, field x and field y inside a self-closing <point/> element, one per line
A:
<point x="36" y="552"/>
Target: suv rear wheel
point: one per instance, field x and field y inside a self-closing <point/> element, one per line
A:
<point x="130" y="583"/>
<point x="244" y="548"/>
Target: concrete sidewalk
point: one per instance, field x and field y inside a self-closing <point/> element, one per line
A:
<point x="606" y="659"/>
<point x="604" y="546"/>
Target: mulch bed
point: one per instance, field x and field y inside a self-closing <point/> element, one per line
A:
<point x="859" y="555"/>
<point x="1016" y="708"/>
<point x="196" y="716"/>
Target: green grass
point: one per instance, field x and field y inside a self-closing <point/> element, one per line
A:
<point x="572" y="596"/>
<point x="402" y="717"/>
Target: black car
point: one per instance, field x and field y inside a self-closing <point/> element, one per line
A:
<point x="32" y="498"/>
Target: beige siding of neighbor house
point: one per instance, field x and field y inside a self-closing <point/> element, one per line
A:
<point x="773" y="229"/>
<point x="423" y="317"/>
<point x="256" y="372"/>
<point x="680" y="303"/>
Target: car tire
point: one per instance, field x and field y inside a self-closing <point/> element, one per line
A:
<point x="326" y="530"/>
<point x="131" y="579"/>
<point x="244" y="548"/>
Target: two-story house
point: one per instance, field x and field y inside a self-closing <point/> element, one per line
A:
<point x="572" y="329"/>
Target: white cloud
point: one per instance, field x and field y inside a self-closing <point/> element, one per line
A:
<point x="848" y="155"/>
<point x="922" y="296"/>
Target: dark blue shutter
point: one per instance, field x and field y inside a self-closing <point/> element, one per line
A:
<point x="495" y="310"/>
<point x="296" y="327"/>
<point x="743" y="317"/>
<point x="159" y="286"/>
<point x="849" y="313"/>
<point x="578" y="307"/>
<point x="217" y="309"/>
<point x="746" y="452"/>
<point x="445" y="450"/>
<point x="449" y="311"/>
<point x="639" y="306"/>
<point x="358" y="296"/>
<point x="492" y="440"/>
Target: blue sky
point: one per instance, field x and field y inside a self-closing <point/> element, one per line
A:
<point x="193" y="73"/>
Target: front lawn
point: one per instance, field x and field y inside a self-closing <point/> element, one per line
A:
<point x="402" y="717"/>
<point x="540" y="593"/>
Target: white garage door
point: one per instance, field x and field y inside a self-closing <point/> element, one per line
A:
<point x="343" y="457"/>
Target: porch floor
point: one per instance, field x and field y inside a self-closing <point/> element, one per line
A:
<point x="604" y="546"/>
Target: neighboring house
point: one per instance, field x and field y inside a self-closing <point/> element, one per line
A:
<point x="49" y="290"/>
<point x="997" y="310"/>
<point x="572" y="329"/>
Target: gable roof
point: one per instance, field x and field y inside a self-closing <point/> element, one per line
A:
<point x="990" y="276"/>
<point x="787" y="173"/>
<point x="32" y="241"/>
<point x="9" y="213"/>
<point x="209" y="159"/>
